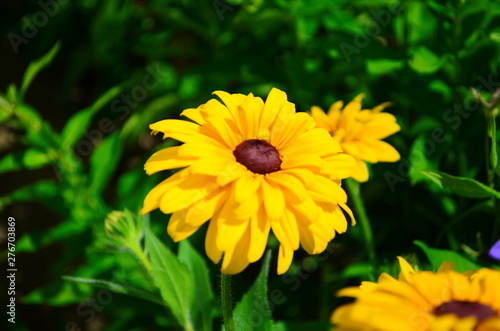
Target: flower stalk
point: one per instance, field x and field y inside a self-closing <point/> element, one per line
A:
<point x="227" y="302"/>
<point x="364" y="221"/>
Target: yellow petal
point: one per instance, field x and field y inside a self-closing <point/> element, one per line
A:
<point x="316" y="141"/>
<point x="290" y="126"/>
<point x="274" y="202"/>
<point x="360" y="151"/>
<point x="275" y="101"/>
<point x="177" y="129"/>
<point x="339" y="166"/>
<point x="213" y="252"/>
<point x="382" y="150"/>
<point x="230" y="173"/>
<point x="293" y="189"/>
<point x="360" y="172"/>
<point x="245" y="186"/>
<point x="178" y="229"/>
<point x="325" y="190"/>
<point x="188" y="191"/>
<point x="259" y="233"/>
<point x="406" y="270"/>
<point x="235" y="258"/>
<point x="194" y="114"/>
<point x="203" y="210"/>
<point x="380" y="127"/>
<point x="249" y="113"/>
<point x="229" y="230"/>
<point x="152" y="200"/>
<point x="322" y="120"/>
<point x="165" y="159"/>
<point x="285" y="257"/>
<point x="287" y="231"/>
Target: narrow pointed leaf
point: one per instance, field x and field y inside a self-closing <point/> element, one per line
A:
<point x="463" y="186"/>
<point x="78" y="123"/>
<point x="492" y="133"/>
<point x="253" y="312"/>
<point x="115" y="287"/>
<point x="35" y="67"/>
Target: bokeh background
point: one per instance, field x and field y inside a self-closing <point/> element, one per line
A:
<point x="75" y="148"/>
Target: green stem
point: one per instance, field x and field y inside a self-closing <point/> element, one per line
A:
<point x="227" y="302"/>
<point x="140" y="255"/>
<point x="362" y="219"/>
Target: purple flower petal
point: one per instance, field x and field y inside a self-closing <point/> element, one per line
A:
<point x="495" y="250"/>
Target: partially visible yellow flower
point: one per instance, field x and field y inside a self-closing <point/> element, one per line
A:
<point x="251" y="167"/>
<point x="359" y="132"/>
<point x="424" y="301"/>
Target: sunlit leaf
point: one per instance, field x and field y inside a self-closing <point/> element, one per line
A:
<point x="202" y="304"/>
<point x="172" y="278"/>
<point x="425" y="61"/>
<point x="383" y="66"/>
<point x="104" y="161"/>
<point x="438" y="256"/>
<point x="31" y="158"/>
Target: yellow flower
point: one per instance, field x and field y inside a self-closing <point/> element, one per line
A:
<point x="251" y="167"/>
<point x="359" y="132"/>
<point x="421" y="301"/>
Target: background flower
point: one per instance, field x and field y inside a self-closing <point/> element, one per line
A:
<point x="495" y="250"/>
<point x="251" y="167"/>
<point x="442" y="301"/>
<point x="359" y="132"/>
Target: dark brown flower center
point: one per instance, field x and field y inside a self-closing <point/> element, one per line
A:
<point x="465" y="309"/>
<point x="258" y="156"/>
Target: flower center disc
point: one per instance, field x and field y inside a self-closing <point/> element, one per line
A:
<point x="465" y="309"/>
<point x="258" y="156"/>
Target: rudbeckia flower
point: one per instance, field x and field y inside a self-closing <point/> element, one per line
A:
<point x="359" y="132"/>
<point x="249" y="167"/>
<point x="421" y="301"/>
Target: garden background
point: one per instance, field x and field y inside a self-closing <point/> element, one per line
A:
<point x="81" y="81"/>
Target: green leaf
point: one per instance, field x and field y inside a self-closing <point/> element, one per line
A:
<point x="438" y="256"/>
<point x="463" y="186"/>
<point x="32" y="241"/>
<point x="383" y="66"/>
<point x="35" y="67"/>
<point x="425" y="61"/>
<point x="31" y="158"/>
<point x="172" y="278"/>
<point x="202" y="305"/>
<point x="419" y="161"/>
<point x="104" y="161"/>
<point x="119" y="288"/>
<point x="79" y="122"/>
<point x="253" y="312"/>
<point x="45" y="191"/>
<point x="492" y="133"/>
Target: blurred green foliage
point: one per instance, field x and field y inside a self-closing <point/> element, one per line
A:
<point x="81" y="81"/>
